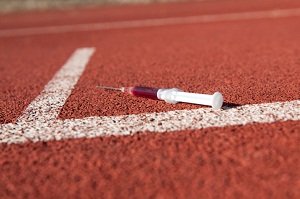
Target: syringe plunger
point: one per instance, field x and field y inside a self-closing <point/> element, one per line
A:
<point x="175" y="95"/>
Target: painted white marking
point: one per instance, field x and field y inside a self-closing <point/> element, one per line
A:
<point x="47" y="105"/>
<point x="152" y="22"/>
<point x="39" y="121"/>
<point x="91" y="127"/>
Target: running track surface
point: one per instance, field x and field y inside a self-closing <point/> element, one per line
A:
<point x="250" y="61"/>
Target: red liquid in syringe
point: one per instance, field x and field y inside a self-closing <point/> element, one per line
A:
<point x="141" y="91"/>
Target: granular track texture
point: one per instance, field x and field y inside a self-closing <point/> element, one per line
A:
<point x="249" y="61"/>
<point x="252" y="161"/>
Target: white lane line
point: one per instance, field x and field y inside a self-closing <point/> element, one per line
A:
<point x="47" y="105"/>
<point x="153" y="122"/>
<point x="151" y="22"/>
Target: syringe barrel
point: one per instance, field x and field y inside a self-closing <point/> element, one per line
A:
<point x="146" y="92"/>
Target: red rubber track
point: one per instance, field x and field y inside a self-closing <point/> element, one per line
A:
<point x="253" y="161"/>
<point x="134" y="12"/>
<point x="248" y="61"/>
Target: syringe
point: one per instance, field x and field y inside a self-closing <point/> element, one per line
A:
<point x="172" y="95"/>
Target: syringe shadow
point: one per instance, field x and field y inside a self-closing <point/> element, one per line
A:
<point x="228" y="105"/>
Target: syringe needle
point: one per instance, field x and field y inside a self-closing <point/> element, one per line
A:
<point x="110" y="88"/>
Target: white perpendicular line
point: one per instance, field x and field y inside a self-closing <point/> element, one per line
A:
<point x="47" y="105"/>
<point x="152" y="22"/>
<point x="92" y="127"/>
